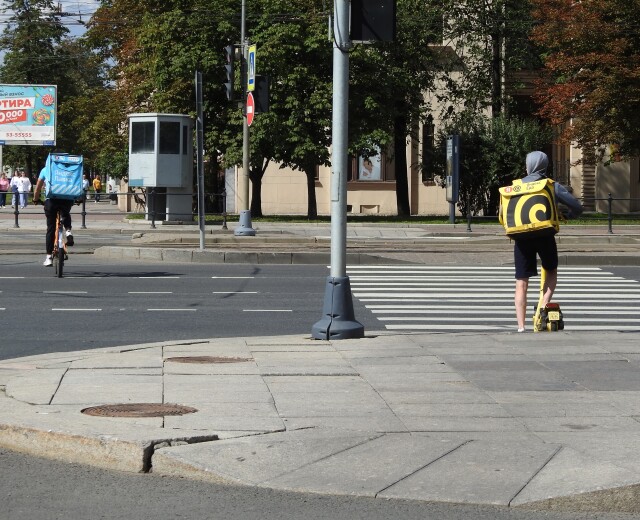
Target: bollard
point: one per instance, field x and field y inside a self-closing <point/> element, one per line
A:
<point x="153" y="208"/>
<point x="244" y="225"/>
<point x="469" y="221"/>
<point x="84" y="211"/>
<point x="16" y="213"/>
<point x="610" y="216"/>
<point x="224" y="210"/>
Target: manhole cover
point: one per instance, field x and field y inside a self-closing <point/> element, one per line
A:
<point x="138" y="410"/>
<point x="208" y="359"/>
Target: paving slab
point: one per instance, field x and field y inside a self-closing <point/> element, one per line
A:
<point x="481" y="472"/>
<point x="254" y="459"/>
<point x="572" y="479"/>
<point x="368" y="468"/>
<point x="22" y="387"/>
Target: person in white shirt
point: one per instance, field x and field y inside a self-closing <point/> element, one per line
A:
<point x="14" y="188"/>
<point x="24" y="187"/>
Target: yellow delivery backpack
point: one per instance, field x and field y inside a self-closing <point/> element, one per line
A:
<point x="528" y="209"/>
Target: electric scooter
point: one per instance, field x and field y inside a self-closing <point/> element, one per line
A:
<point x="549" y="318"/>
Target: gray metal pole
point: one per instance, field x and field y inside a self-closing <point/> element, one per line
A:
<point x="245" y="127"/>
<point x="200" y="151"/>
<point x="244" y="227"/>
<point x="339" y="137"/>
<point x="338" y="321"/>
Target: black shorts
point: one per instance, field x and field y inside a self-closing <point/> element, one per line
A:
<point x="525" y="255"/>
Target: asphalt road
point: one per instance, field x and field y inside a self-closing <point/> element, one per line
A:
<point x="40" y="489"/>
<point x="101" y="304"/>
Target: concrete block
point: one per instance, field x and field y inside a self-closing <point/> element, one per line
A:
<point x="238" y="257"/>
<point x="177" y="255"/>
<point x="208" y="257"/>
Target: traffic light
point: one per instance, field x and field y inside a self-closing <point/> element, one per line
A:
<point x="261" y="94"/>
<point x="230" y="55"/>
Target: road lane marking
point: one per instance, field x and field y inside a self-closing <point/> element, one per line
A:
<point x="172" y="310"/>
<point x="150" y="292"/>
<point x="233" y="277"/>
<point x="234" y="292"/>
<point x="267" y="310"/>
<point x="64" y="292"/>
<point x="75" y="310"/>
<point x="157" y="277"/>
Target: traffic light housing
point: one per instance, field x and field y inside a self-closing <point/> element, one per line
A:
<point x="230" y="56"/>
<point x="261" y="94"/>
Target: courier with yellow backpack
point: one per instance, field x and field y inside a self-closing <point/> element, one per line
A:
<point x="529" y="213"/>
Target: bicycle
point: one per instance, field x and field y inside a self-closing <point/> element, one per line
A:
<point x="59" y="254"/>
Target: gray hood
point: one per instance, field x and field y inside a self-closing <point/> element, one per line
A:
<point x="537" y="163"/>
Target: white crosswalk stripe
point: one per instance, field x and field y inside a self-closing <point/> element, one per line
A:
<point x="480" y="298"/>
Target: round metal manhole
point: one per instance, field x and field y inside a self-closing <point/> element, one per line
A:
<point x="207" y="359"/>
<point x="138" y="410"/>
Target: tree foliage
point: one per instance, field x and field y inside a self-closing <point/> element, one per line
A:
<point x="35" y="54"/>
<point x="490" y="38"/>
<point x="592" y="71"/>
<point x="493" y="152"/>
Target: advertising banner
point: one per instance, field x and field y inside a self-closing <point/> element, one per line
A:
<point x="28" y="114"/>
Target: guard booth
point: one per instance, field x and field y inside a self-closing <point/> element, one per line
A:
<point x="161" y="157"/>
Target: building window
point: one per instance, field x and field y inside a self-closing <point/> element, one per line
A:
<point x="428" y="150"/>
<point x="374" y="168"/>
<point x="143" y="137"/>
<point x="169" y="138"/>
<point x="370" y="168"/>
<point x="185" y="139"/>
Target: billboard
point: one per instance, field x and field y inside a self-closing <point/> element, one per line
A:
<point x="28" y="114"/>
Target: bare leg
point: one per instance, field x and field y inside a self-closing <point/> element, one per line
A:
<point x="550" y="285"/>
<point x="522" y="284"/>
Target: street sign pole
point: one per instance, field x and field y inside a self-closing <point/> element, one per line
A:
<point x="244" y="228"/>
<point x="338" y="321"/>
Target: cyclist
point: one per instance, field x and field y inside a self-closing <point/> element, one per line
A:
<point x="51" y="207"/>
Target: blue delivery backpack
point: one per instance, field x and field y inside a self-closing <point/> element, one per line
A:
<point x="63" y="173"/>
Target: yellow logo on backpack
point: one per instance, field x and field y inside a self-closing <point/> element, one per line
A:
<point x="528" y="209"/>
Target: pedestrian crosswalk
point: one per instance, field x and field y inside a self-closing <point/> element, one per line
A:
<point x="480" y="298"/>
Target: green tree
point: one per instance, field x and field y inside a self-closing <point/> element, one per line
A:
<point x="294" y="52"/>
<point x="489" y="39"/>
<point x="592" y="72"/>
<point x="493" y="152"/>
<point x="34" y="54"/>
<point x="387" y="86"/>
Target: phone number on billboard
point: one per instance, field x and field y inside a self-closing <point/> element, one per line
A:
<point x="18" y="134"/>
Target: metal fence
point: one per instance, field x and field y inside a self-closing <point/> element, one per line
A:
<point x="149" y="202"/>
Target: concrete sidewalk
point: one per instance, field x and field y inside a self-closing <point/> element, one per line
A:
<point x="521" y="420"/>
<point x="310" y="243"/>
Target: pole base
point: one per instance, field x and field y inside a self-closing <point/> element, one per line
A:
<point x="244" y="228"/>
<point x="338" y="321"/>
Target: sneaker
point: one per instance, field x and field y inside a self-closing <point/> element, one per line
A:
<point x="521" y="329"/>
<point x="48" y="262"/>
<point x="69" y="237"/>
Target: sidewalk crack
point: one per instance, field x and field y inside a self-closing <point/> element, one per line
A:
<point x="58" y="387"/>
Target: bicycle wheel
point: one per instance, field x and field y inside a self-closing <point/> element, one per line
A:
<point x="60" y="262"/>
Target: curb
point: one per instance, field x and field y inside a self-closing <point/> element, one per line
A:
<point x="180" y="255"/>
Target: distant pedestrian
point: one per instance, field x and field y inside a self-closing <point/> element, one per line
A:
<point x="97" y="188"/>
<point x="14" y="188"/>
<point x="4" y="188"/>
<point x="24" y="188"/>
<point x="85" y="185"/>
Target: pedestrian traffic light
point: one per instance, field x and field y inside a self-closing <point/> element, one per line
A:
<point x="230" y="55"/>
